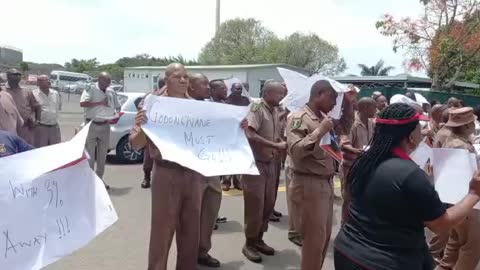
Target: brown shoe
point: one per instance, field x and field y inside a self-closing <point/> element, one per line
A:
<point x="297" y="240"/>
<point x="252" y="254"/>
<point x="264" y="248"/>
<point x="208" y="261"/>
<point x="274" y="218"/>
<point x="145" y="183"/>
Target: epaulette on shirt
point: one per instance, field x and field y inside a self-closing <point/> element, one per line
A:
<point x="255" y="107"/>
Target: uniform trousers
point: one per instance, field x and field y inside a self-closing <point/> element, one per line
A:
<point x="46" y="135"/>
<point x="259" y="199"/>
<point x="147" y="162"/>
<point x="211" y="192"/>
<point x="292" y="215"/>
<point x="176" y="204"/>
<point x="98" y="139"/>
<point x="27" y="134"/>
<point x="312" y="198"/>
<point x="463" y="247"/>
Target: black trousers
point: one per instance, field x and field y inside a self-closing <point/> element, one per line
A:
<point x="344" y="263"/>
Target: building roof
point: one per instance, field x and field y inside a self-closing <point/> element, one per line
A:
<point x="213" y="67"/>
<point x="402" y="78"/>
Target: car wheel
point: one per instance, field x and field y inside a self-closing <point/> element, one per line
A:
<point x="125" y="152"/>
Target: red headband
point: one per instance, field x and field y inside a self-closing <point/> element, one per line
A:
<point x="396" y="122"/>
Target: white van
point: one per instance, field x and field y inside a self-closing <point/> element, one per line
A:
<point x="61" y="79"/>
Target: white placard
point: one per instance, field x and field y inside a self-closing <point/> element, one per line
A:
<point x="203" y="136"/>
<point x="51" y="216"/>
<point x="44" y="159"/>
<point x="422" y="154"/>
<point x="453" y="169"/>
<point x="299" y="87"/>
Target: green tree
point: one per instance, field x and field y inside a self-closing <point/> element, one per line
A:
<point x="311" y="52"/>
<point x="238" y="41"/>
<point x="148" y="60"/>
<point x="82" y="66"/>
<point x="24" y="67"/>
<point x="378" y="70"/>
<point x="247" y="41"/>
<point x="443" y="40"/>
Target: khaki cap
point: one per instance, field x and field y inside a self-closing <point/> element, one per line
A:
<point x="460" y="117"/>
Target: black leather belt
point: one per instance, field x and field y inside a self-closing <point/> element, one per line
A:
<point x="45" y="125"/>
<point x="97" y="122"/>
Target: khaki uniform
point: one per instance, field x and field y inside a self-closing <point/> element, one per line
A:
<point x="359" y="137"/>
<point x="176" y="208"/>
<point x="441" y="137"/>
<point x="292" y="214"/>
<point x="211" y="192"/>
<point x="48" y="132"/>
<point x="26" y="105"/>
<point x="462" y="251"/>
<point x="10" y="118"/>
<point x="259" y="190"/>
<point x="311" y="188"/>
<point x="98" y="138"/>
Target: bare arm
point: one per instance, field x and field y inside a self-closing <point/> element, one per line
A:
<point x="253" y="136"/>
<point x="454" y="214"/>
<point x="137" y="137"/>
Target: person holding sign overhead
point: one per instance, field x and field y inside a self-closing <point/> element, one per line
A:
<point x="393" y="200"/>
<point x="259" y="190"/>
<point x="210" y="187"/>
<point x="463" y="247"/>
<point x="176" y="199"/>
<point x="311" y="188"/>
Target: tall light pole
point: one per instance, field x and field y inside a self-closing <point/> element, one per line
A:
<point x="217" y="22"/>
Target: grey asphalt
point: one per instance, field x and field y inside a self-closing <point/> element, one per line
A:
<point x="124" y="246"/>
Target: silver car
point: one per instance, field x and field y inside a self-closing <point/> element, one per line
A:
<point x="120" y="128"/>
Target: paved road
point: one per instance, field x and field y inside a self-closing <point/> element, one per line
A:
<point x="124" y="246"/>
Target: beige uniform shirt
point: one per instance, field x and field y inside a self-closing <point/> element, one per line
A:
<point x="10" y="118"/>
<point x="455" y="141"/>
<point x="51" y="104"/>
<point x="264" y="120"/>
<point x="100" y="113"/>
<point x="358" y="138"/>
<point x="303" y="141"/>
<point x="441" y="137"/>
<point x="25" y="102"/>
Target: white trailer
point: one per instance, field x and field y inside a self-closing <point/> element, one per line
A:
<point x="144" y="79"/>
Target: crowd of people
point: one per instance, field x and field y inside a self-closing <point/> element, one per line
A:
<point x="389" y="202"/>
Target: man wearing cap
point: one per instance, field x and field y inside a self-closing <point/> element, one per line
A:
<point x="47" y="131"/>
<point x="27" y="106"/>
<point x="463" y="247"/>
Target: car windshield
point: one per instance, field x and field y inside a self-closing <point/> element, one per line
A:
<point x="128" y="103"/>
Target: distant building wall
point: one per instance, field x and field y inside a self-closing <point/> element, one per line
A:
<point x="10" y="55"/>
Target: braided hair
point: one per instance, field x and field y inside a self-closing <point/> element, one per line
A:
<point x="386" y="137"/>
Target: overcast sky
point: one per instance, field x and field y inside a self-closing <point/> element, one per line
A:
<point x="55" y="31"/>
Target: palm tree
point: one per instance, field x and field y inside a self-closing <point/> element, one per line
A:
<point x="377" y="70"/>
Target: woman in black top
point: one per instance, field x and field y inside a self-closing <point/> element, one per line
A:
<point x="392" y="201"/>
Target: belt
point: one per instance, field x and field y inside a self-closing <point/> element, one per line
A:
<point x="97" y="122"/>
<point x="326" y="177"/>
<point x="45" y="125"/>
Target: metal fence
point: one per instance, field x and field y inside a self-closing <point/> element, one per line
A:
<point x="470" y="100"/>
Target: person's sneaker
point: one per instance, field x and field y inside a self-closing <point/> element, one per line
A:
<point x="107" y="187"/>
<point x="208" y="261"/>
<point x="145" y="184"/>
<point x="264" y="248"/>
<point x="221" y="219"/>
<point x="277" y="214"/>
<point x="252" y="254"/>
<point x="215" y="227"/>
<point x="274" y="218"/>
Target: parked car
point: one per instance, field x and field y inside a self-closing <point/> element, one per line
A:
<point x="117" y="87"/>
<point x="120" y="128"/>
